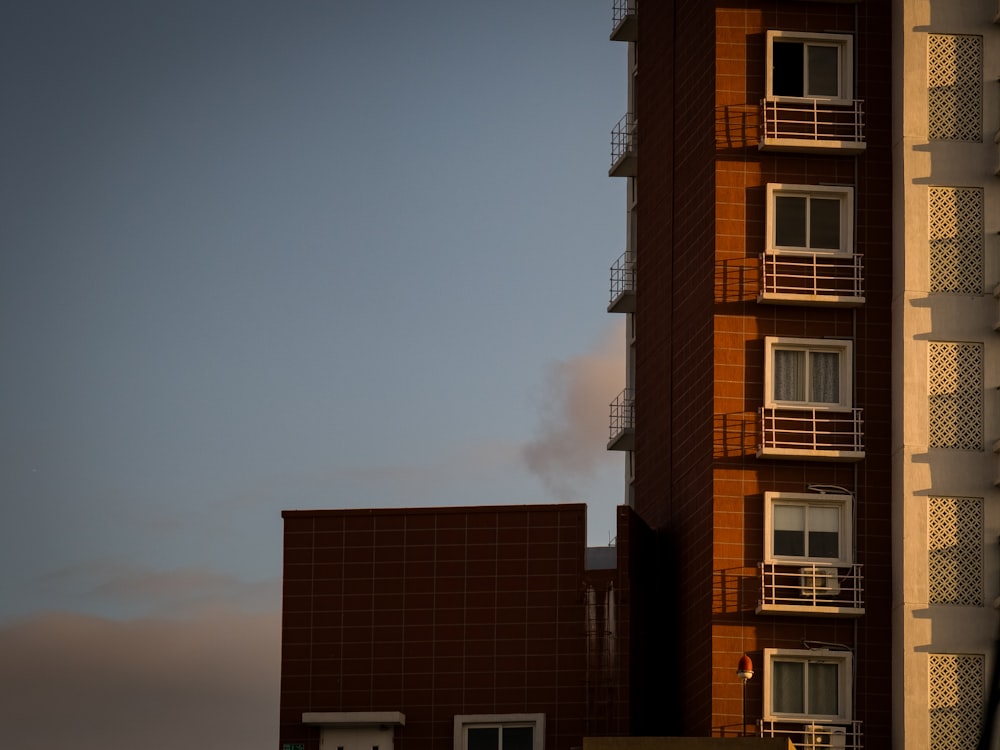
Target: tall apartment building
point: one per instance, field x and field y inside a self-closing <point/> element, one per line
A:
<point x="811" y="401"/>
<point x="811" y="426"/>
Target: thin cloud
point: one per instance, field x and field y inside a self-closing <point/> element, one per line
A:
<point x="132" y="590"/>
<point x="91" y="683"/>
<point x="570" y="444"/>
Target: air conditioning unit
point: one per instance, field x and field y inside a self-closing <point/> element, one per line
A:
<point x="823" y="736"/>
<point x="823" y="582"/>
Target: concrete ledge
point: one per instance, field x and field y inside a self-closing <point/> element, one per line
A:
<point x="354" y="718"/>
<point x="687" y="743"/>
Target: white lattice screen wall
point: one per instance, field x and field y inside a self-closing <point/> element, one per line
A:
<point x="955" y="395"/>
<point x="954" y="87"/>
<point x="955" y="551"/>
<point x="955" y="700"/>
<point x="955" y="218"/>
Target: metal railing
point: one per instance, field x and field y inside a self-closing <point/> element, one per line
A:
<point x="623" y="138"/>
<point x="812" y="274"/>
<point x="620" y="10"/>
<point x="807" y="735"/>
<point x="813" y="120"/>
<point x="804" y="430"/>
<point x="622" y="414"/>
<point x="807" y="585"/>
<point x="622" y="275"/>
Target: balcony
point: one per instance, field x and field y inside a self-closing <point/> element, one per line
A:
<point x="623" y="284"/>
<point x="815" y="734"/>
<point x="812" y="126"/>
<point x="827" y="589"/>
<point x="811" y="433"/>
<point x="624" y="24"/>
<point x="623" y="161"/>
<point x="621" y="435"/>
<point x="811" y="279"/>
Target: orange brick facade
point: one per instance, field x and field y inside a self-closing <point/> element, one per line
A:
<point x="699" y="330"/>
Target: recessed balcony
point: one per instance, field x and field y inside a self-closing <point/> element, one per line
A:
<point x="812" y="126"/>
<point x="623" y="284"/>
<point x="815" y="734"/>
<point x="624" y="23"/>
<point x="817" y="434"/>
<point x="623" y="156"/>
<point x="621" y="433"/>
<point x="827" y="589"/>
<point x="813" y="279"/>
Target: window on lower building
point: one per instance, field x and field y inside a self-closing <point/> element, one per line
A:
<point x="802" y="684"/>
<point x="809" y="66"/>
<point x="805" y="527"/>
<point x="809" y="218"/>
<point x="499" y="732"/>
<point x="807" y="372"/>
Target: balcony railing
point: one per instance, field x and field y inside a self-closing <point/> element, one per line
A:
<point x="811" y="125"/>
<point x="811" y="279"/>
<point x="811" y="588"/>
<point x="623" y="21"/>
<point x="805" y="432"/>
<point x="623" y="284"/>
<point x="621" y="435"/>
<point x="815" y="735"/>
<point x="623" y="162"/>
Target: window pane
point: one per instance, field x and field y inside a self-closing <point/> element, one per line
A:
<point x="824" y="699"/>
<point x="483" y="738"/>
<point x="789" y="530"/>
<point x="518" y="738"/>
<point x="824" y="532"/>
<point x="789" y="375"/>
<point x="825" y="377"/>
<point x="790" y="221"/>
<point x="824" y="544"/>
<point x="824" y="223"/>
<point x="786" y="75"/>
<point x="787" y="696"/>
<point x="824" y="70"/>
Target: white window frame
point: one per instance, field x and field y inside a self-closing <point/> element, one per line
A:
<point x="843" y="347"/>
<point x="844" y="44"/>
<point x="845" y="676"/>
<point x="844" y="194"/>
<point x="463" y="722"/>
<point x="844" y="503"/>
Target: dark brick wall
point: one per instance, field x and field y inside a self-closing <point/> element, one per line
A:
<point x="674" y="354"/>
<point x="438" y="612"/>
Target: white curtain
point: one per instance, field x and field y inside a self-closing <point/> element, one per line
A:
<point x="788" y="694"/>
<point x="808" y="377"/>
<point x="789" y="375"/>
<point x="807" y="688"/>
<point x="824" y="368"/>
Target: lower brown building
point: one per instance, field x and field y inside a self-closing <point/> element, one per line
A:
<point x="478" y="628"/>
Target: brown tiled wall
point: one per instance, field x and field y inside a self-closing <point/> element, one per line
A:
<point x="674" y="354"/>
<point x="436" y="613"/>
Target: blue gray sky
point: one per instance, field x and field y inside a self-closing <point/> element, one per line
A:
<point x="267" y="254"/>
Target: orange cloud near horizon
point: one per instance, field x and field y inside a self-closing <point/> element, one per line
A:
<point x="71" y="680"/>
